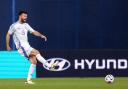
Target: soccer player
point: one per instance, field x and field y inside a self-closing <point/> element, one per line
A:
<point x="19" y="31"/>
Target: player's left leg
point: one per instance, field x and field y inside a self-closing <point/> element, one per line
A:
<point x="33" y="61"/>
<point x="42" y="59"/>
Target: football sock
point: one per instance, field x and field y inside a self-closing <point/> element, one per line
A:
<point x="31" y="71"/>
<point x="42" y="60"/>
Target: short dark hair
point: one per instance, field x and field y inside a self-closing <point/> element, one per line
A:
<point x="22" y="12"/>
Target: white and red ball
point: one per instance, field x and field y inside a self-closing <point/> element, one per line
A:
<point x="109" y="78"/>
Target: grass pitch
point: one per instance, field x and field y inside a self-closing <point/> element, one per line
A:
<point x="65" y="83"/>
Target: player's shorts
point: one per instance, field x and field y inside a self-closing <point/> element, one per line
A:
<point x="25" y="50"/>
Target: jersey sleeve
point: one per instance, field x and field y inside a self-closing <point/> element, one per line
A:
<point x="11" y="30"/>
<point x="29" y="28"/>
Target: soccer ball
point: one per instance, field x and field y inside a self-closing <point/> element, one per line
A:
<point x="109" y="78"/>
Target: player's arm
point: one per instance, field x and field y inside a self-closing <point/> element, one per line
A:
<point x="8" y="41"/>
<point x="35" y="33"/>
<point x="38" y="34"/>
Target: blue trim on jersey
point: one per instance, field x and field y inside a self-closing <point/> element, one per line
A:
<point x="25" y="54"/>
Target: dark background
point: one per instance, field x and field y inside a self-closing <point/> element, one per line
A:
<point x="72" y="55"/>
<point x="71" y="24"/>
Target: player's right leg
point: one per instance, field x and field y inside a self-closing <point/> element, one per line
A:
<point x="33" y="61"/>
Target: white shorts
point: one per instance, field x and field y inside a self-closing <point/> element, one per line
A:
<point x="25" y="50"/>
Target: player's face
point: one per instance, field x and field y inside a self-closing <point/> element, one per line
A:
<point x="23" y="18"/>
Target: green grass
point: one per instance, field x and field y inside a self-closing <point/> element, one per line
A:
<point x="65" y="83"/>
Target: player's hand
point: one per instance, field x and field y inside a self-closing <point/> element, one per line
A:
<point x="9" y="48"/>
<point x="44" y="37"/>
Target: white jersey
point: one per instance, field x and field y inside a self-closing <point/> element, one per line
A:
<point x="20" y="31"/>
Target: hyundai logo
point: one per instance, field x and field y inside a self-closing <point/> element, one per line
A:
<point x="62" y="64"/>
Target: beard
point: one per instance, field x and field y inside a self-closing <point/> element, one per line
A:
<point x="23" y="20"/>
